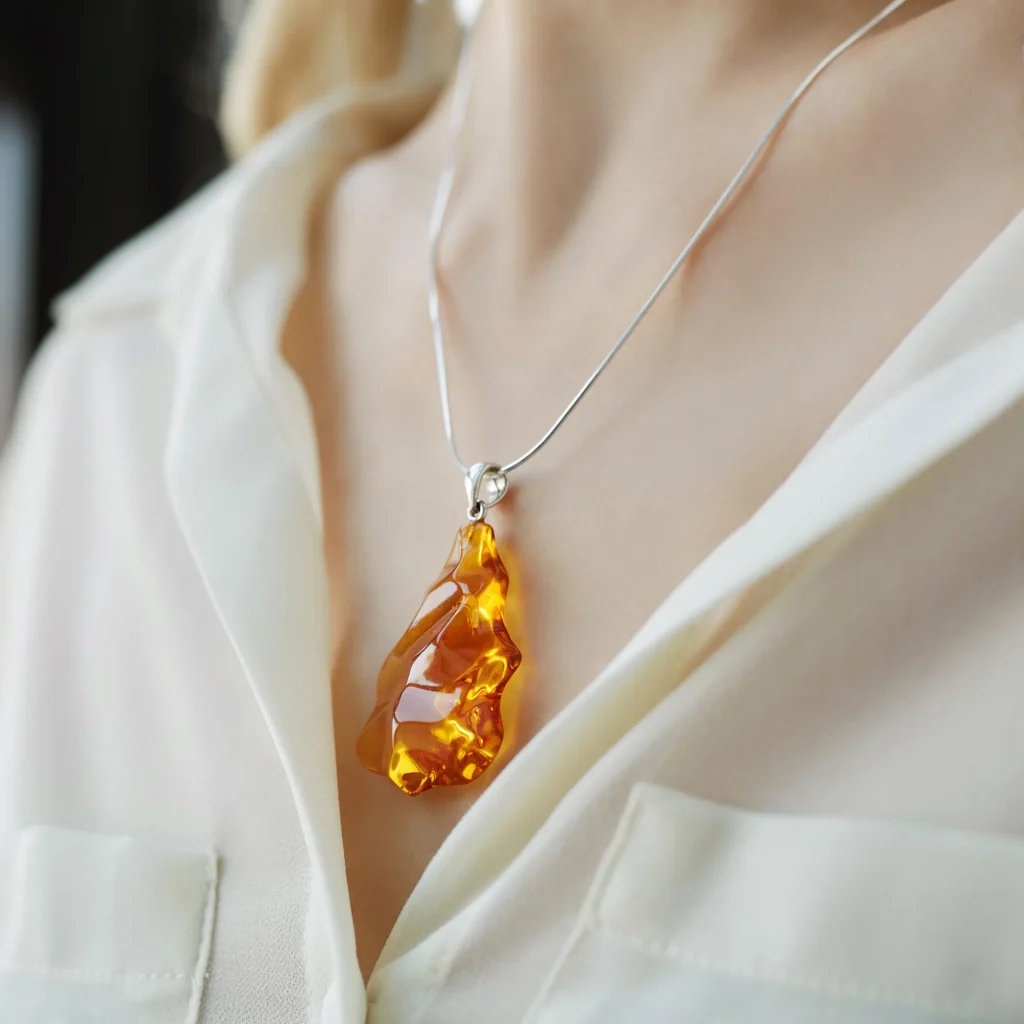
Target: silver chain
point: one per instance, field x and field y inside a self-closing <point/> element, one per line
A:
<point x="487" y="483"/>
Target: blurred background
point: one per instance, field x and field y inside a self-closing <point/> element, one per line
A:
<point x="107" y="121"/>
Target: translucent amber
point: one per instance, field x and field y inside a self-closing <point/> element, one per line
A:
<point x="438" y="717"/>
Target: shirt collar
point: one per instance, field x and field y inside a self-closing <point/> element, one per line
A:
<point x="241" y="471"/>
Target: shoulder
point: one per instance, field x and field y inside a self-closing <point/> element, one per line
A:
<point x="117" y="334"/>
<point x="165" y="326"/>
<point x="108" y="348"/>
<point x="141" y="274"/>
<point x="104" y="374"/>
<point x="253" y="214"/>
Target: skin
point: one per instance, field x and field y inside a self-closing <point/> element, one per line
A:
<point x="598" y="136"/>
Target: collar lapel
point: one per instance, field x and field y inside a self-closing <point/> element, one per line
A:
<point x="240" y="466"/>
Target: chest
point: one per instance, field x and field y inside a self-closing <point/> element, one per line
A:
<point x="729" y="384"/>
<point x="724" y="390"/>
<point x="802" y="292"/>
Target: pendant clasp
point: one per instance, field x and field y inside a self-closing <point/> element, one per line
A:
<point x="486" y="485"/>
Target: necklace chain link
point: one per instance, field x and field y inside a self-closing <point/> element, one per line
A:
<point x="480" y="474"/>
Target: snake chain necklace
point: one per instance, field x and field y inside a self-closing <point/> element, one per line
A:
<point x="437" y="720"/>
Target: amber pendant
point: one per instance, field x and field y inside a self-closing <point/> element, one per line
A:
<point x="438" y="716"/>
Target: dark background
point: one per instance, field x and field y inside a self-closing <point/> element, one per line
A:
<point x="123" y="94"/>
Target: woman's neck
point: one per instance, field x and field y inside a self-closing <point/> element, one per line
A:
<point x="569" y="95"/>
<point x="525" y="37"/>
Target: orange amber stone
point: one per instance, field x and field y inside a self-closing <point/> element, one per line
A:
<point x="438" y="718"/>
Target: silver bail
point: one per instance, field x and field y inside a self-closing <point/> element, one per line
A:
<point x="486" y="485"/>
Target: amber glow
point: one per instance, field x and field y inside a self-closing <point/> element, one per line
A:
<point x="437" y="721"/>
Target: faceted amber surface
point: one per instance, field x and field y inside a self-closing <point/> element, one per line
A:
<point x="438" y="718"/>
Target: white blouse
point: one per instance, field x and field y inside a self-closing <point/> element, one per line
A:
<point x="810" y="813"/>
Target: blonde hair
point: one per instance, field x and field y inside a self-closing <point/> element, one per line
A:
<point x="290" y="52"/>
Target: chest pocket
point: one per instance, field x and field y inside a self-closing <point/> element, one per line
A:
<point x="104" y="929"/>
<point x="703" y="913"/>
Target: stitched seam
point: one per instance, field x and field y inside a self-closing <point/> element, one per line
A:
<point x="819" y="986"/>
<point x="80" y="974"/>
<point x="588" y="917"/>
<point x="199" y="972"/>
